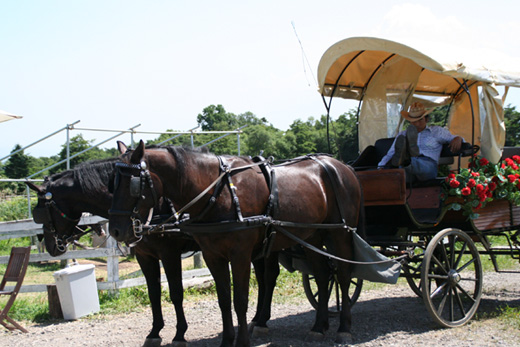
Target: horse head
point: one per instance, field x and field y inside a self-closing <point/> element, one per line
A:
<point x="63" y="197"/>
<point x="135" y="193"/>
<point x="58" y="219"/>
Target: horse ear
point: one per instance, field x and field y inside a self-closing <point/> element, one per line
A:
<point x="138" y="153"/>
<point x="34" y="187"/>
<point x="121" y="147"/>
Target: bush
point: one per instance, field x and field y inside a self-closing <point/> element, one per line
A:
<point x="15" y="208"/>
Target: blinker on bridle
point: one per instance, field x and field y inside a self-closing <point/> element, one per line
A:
<point x="136" y="188"/>
<point x="43" y="215"/>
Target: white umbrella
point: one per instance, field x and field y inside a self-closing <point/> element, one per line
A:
<point x="5" y="116"/>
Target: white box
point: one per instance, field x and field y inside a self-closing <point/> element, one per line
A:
<point x="77" y="290"/>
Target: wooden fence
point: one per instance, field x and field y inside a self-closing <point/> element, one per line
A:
<point x="111" y="251"/>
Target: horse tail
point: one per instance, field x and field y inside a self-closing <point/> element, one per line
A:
<point x="361" y="227"/>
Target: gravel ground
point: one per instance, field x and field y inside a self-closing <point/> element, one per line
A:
<point x="390" y="317"/>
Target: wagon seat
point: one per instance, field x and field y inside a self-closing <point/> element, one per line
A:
<point x="388" y="186"/>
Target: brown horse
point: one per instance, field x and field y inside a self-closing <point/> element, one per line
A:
<point x="63" y="198"/>
<point x="313" y="192"/>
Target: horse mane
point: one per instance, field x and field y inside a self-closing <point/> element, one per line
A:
<point x="94" y="174"/>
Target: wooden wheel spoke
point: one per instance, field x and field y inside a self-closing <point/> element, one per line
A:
<point x="438" y="290"/>
<point x="462" y="290"/>
<point x="443" y="301"/>
<point x="440" y="264"/>
<point x="459" y="270"/>
<point x="461" y="253"/>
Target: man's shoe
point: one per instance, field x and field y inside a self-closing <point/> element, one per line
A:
<point x="411" y="137"/>
<point x="400" y="156"/>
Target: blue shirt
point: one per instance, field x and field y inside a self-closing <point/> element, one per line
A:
<point x="429" y="141"/>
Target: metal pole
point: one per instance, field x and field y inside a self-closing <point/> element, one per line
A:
<point x="238" y="143"/>
<point x="68" y="147"/>
<point x="40" y="140"/>
<point x="29" y="210"/>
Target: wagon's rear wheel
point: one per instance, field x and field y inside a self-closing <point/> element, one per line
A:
<point x="451" y="278"/>
<point x="311" y="291"/>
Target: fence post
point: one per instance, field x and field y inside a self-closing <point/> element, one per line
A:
<point x="112" y="265"/>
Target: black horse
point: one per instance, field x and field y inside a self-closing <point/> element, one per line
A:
<point x="63" y="198"/>
<point x="314" y="190"/>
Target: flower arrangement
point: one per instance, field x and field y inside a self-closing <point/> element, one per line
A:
<point x="483" y="182"/>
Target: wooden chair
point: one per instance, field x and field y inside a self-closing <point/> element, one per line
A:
<point x="15" y="272"/>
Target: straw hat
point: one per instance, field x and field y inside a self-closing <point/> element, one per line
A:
<point x="415" y="113"/>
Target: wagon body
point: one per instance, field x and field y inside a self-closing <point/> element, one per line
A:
<point x="385" y="77"/>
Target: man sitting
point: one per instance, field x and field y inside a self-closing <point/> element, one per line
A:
<point x="418" y="148"/>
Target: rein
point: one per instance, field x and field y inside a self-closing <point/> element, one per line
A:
<point x="244" y="223"/>
<point x="226" y="171"/>
<point x="45" y="217"/>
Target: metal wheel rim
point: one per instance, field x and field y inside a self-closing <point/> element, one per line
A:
<point x="333" y="287"/>
<point x="452" y="278"/>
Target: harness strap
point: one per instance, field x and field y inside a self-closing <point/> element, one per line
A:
<point x="232" y="188"/>
<point x="335" y="185"/>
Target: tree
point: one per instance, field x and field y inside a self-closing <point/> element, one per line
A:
<point x="17" y="167"/>
<point x="78" y="144"/>
<point x="18" y="164"/>
<point x="512" y="120"/>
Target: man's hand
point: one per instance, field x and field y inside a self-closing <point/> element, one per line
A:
<point x="455" y="144"/>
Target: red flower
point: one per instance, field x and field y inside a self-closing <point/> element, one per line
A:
<point x="475" y="174"/>
<point x="454" y="183"/>
<point x="511" y="178"/>
<point x="478" y="206"/>
<point x="495" y="179"/>
<point x="503" y="166"/>
<point x="492" y="186"/>
<point x="465" y="191"/>
<point x="471" y="183"/>
<point x="451" y="176"/>
<point x="483" y="162"/>
<point x="480" y="188"/>
<point x="514" y="166"/>
<point x="516" y="158"/>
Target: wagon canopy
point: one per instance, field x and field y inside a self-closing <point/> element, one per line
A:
<point x="388" y="76"/>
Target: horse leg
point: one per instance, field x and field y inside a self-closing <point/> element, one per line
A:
<point x="267" y="271"/>
<point x="241" y="269"/>
<point x="321" y="271"/>
<point x="152" y="273"/>
<point x="173" y="269"/>
<point x="344" y="276"/>
<point x="220" y="271"/>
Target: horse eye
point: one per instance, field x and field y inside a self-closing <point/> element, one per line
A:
<point x="48" y="195"/>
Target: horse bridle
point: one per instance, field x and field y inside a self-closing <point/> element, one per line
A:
<point x="43" y="215"/>
<point x="137" y="186"/>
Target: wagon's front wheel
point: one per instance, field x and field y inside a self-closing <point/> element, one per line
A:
<point x="451" y="278"/>
<point x="311" y="291"/>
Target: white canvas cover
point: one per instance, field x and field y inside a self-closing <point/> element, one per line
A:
<point x="388" y="75"/>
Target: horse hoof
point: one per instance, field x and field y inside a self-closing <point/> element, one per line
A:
<point x="260" y="331"/>
<point x="344" y="338"/>
<point x="155" y="342"/>
<point x="314" y="336"/>
<point x="179" y="343"/>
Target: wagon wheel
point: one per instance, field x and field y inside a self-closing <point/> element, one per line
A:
<point x="452" y="278"/>
<point x="311" y="291"/>
<point x="412" y="269"/>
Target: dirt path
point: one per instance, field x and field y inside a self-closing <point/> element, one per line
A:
<point x="390" y="317"/>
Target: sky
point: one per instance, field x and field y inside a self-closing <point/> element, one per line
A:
<point x="117" y="64"/>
